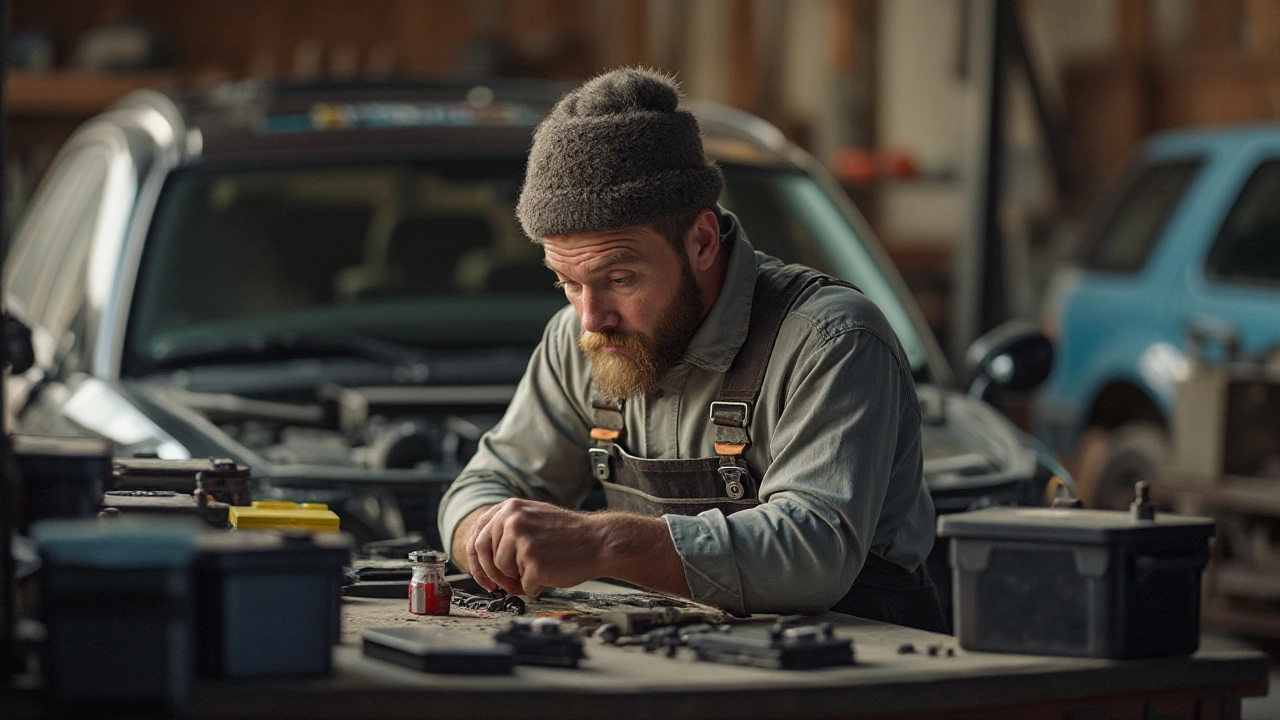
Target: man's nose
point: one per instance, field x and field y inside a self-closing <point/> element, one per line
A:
<point x="598" y="314"/>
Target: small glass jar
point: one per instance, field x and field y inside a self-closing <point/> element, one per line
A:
<point x="429" y="592"/>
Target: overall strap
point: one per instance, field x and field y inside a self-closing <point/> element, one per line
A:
<point x="607" y="427"/>
<point x="776" y="291"/>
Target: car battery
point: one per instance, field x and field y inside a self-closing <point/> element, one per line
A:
<point x="281" y="514"/>
<point x="222" y="478"/>
<point x="269" y="603"/>
<point x="167" y="502"/>
<point x="1085" y="583"/>
<point x="62" y="477"/>
<point x="118" y="603"/>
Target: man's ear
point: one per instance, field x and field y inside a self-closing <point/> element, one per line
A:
<point x="702" y="243"/>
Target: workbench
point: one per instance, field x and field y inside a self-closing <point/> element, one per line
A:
<point x="627" y="682"/>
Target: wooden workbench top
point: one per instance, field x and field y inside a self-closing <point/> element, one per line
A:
<point x="619" y="682"/>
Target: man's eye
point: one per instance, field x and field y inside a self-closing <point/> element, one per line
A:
<point x="621" y="280"/>
<point x="563" y="284"/>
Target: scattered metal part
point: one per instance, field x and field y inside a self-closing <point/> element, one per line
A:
<point x="514" y="604"/>
<point x="783" y="646"/>
<point x="667" y="638"/>
<point x="633" y="621"/>
<point x="607" y="633"/>
<point x="543" y="641"/>
<point x="934" y="649"/>
<point x="906" y="649"/>
<point x="505" y="603"/>
<point x="631" y="640"/>
<point x="686" y="631"/>
<point x="951" y="652"/>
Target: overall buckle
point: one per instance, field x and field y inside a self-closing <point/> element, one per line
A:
<point x="599" y="462"/>
<point x="735" y="479"/>
<point x="730" y="414"/>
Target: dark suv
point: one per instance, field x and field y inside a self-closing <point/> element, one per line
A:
<point x="329" y="285"/>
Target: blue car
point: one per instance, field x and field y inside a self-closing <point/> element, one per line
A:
<point x="1188" y="239"/>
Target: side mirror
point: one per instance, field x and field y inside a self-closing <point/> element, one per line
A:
<point x="19" y="353"/>
<point x="1013" y="356"/>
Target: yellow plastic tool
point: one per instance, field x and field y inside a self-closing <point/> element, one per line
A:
<point x="278" y="514"/>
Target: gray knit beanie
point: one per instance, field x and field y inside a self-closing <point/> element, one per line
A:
<point x="614" y="153"/>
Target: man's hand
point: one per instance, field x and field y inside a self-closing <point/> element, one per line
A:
<point x="523" y="545"/>
<point x="461" y="535"/>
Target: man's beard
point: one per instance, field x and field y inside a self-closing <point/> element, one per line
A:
<point x="640" y="369"/>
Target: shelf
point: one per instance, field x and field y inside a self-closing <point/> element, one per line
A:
<point x="74" y="94"/>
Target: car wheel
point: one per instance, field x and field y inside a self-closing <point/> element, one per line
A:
<point x="1119" y="458"/>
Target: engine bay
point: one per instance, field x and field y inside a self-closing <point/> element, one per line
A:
<point x="431" y="430"/>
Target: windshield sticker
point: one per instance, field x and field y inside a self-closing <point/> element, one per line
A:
<point x="350" y="116"/>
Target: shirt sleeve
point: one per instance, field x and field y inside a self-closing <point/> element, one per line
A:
<point x="836" y="446"/>
<point x="539" y="448"/>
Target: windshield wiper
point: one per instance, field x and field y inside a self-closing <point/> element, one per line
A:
<point x="289" y="344"/>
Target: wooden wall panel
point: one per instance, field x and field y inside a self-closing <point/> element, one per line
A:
<point x="1262" y="28"/>
<point x="631" y="35"/>
<point x="1217" y="23"/>
<point x="431" y="35"/>
<point x="1135" y="27"/>
<point x="1108" y="107"/>
<point x="744" y="60"/>
<point x="551" y="38"/>
<point x="264" y="37"/>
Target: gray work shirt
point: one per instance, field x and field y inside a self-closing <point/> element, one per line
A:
<point x="835" y="446"/>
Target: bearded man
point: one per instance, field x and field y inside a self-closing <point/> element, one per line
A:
<point x="754" y="425"/>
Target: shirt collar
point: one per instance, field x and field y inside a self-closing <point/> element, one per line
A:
<point x="717" y="342"/>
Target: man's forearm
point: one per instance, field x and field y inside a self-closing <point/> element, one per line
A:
<point x="639" y="550"/>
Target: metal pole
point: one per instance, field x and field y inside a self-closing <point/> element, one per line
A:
<point x="1048" y="106"/>
<point x="995" y="298"/>
<point x="980" y="275"/>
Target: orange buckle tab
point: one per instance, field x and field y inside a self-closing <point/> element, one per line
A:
<point x="730" y="448"/>
<point x="604" y="434"/>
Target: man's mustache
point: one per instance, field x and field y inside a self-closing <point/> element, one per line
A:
<point x="597" y="341"/>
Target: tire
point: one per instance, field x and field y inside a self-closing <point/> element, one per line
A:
<point x="1136" y="451"/>
<point x="1086" y="463"/>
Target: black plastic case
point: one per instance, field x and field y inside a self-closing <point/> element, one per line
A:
<point x="1085" y="583"/>
<point x="269" y="603"/>
<point x="438" y="651"/>
<point x="61" y="477"/>
<point x="167" y="503"/>
<point x="222" y="478"/>
<point x="118" y="603"/>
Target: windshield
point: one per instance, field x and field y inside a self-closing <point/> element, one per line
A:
<point x="424" y="255"/>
